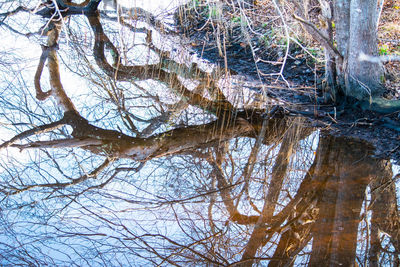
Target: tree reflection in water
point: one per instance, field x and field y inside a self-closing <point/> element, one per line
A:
<point x="132" y="177"/>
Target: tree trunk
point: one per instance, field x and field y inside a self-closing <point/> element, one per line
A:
<point x="356" y="32"/>
<point x="363" y="78"/>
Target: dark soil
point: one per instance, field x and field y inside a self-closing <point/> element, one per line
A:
<point x="241" y="49"/>
<point x="240" y="59"/>
<point x="300" y="72"/>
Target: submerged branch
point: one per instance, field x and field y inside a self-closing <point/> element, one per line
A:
<point x="49" y="53"/>
<point x="224" y="189"/>
<point x="35" y="131"/>
<point x="40" y="95"/>
<point x="61" y="143"/>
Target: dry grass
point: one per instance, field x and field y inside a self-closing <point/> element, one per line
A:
<point x="262" y="30"/>
<point x="389" y="43"/>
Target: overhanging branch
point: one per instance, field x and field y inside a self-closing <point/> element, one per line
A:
<point x="320" y="37"/>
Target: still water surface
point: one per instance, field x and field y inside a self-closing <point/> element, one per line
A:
<point x="125" y="149"/>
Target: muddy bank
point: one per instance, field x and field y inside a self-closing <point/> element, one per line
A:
<point x="249" y="52"/>
<point x="229" y="45"/>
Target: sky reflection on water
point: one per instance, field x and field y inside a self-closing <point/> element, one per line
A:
<point x="162" y="163"/>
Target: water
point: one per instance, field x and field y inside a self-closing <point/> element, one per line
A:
<point x="153" y="169"/>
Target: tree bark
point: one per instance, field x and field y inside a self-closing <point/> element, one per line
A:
<point x="363" y="79"/>
<point x="355" y="33"/>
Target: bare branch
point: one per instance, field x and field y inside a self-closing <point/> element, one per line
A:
<point x="62" y="143"/>
<point x="11" y="13"/>
<point x="37" y="130"/>
<point x="75" y="181"/>
<point x="40" y="95"/>
<point x="67" y="9"/>
<point x="319" y="36"/>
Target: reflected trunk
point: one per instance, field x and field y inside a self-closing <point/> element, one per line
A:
<point x="335" y="231"/>
<point x="385" y="221"/>
<point x="278" y="175"/>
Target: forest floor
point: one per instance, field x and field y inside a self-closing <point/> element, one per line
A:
<point x="254" y="45"/>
